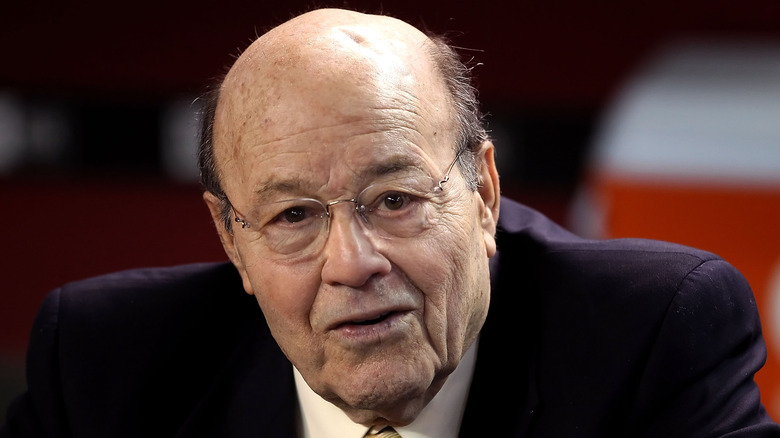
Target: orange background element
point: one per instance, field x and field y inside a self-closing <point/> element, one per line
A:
<point x="739" y="222"/>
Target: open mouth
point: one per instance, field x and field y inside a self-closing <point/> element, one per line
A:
<point x="376" y="320"/>
<point x="375" y="328"/>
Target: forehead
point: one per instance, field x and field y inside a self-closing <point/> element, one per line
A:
<point x="332" y="90"/>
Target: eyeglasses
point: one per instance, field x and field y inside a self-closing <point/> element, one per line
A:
<point x="402" y="207"/>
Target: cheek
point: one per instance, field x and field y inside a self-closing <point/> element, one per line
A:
<point x="446" y="266"/>
<point x="284" y="293"/>
<point x="462" y="274"/>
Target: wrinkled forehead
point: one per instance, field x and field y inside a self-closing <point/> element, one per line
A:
<point x="329" y="67"/>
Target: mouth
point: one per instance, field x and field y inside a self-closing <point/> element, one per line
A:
<point x="370" y="321"/>
<point x="369" y="325"/>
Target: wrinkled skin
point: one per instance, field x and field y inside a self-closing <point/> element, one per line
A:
<point x="316" y="108"/>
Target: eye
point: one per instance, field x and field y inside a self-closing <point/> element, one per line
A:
<point x="294" y="213"/>
<point x="396" y="196"/>
<point x="394" y="201"/>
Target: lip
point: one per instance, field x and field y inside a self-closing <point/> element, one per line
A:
<point x="364" y="318"/>
<point x="380" y="329"/>
<point x="373" y="323"/>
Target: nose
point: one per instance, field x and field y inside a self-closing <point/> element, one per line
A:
<point x="351" y="257"/>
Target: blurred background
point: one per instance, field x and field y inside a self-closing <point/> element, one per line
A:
<point x="651" y="119"/>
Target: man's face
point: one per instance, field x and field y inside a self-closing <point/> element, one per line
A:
<point x="373" y="323"/>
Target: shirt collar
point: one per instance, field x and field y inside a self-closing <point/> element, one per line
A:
<point x="440" y="418"/>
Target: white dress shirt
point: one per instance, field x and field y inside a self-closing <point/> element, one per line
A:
<point x="318" y="418"/>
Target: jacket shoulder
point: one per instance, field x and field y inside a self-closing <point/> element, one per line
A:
<point x="144" y="344"/>
<point x="527" y="234"/>
<point x="614" y="320"/>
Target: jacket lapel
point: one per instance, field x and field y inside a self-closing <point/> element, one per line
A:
<point x="252" y="396"/>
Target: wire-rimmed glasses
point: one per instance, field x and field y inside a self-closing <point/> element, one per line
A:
<point x="400" y="207"/>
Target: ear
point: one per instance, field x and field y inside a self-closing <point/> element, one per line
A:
<point x="490" y="193"/>
<point x="227" y="238"/>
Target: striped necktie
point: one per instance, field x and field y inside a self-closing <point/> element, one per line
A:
<point x="387" y="432"/>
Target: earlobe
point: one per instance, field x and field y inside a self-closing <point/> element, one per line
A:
<point x="226" y="237"/>
<point x="490" y="194"/>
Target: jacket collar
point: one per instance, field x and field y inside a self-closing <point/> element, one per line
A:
<point x="508" y="354"/>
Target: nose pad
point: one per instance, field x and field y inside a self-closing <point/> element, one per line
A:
<point x="351" y="257"/>
<point x="340" y="201"/>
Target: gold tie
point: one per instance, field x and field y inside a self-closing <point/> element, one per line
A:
<point x="387" y="432"/>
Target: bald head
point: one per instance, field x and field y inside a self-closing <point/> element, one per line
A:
<point x="333" y="62"/>
<point x="328" y="44"/>
<point x="333" y="34"/>
<point x="329" y="56"/>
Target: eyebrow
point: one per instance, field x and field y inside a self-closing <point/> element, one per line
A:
<point x="266" y="190"/>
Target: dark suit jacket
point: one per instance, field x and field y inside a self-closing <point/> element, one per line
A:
<point x="626" y="338"/>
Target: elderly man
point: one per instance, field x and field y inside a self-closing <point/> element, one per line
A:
<point x="354" y="190"/>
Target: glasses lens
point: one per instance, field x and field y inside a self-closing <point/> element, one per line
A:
<point x="401" y="207"/>
<point x="291" y="226"/>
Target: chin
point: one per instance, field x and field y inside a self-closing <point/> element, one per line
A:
<point x="397" y="396"/>
<point x="394" y="413"/>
